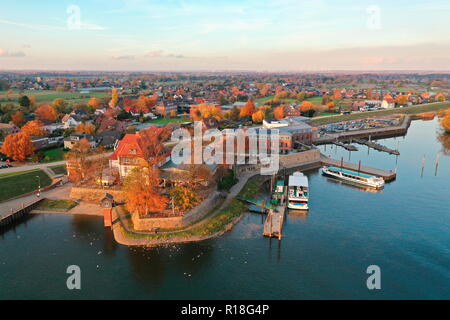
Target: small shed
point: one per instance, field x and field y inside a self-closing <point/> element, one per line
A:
<point x="108" y="201"/>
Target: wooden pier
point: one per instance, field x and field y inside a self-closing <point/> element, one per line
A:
<point x="348" y="147"/>
<point x="8" y="218"/>
<point x="377" y="146"/>
<point x="386" y="175"/>
<point x="273" y="226"/>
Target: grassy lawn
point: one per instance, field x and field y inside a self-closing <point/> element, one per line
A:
<point x="169" y="120"/>
<point x="315" y="100"/>
<point x="18" y="184"/>
<point x="362" y="115"/>
<point x="63" y="205"/>
<point x="59" y="169"/>
<point x="53" y="155"/>
<point x="47" y="96"/>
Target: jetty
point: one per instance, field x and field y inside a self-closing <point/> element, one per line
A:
<point x="8" y="218"/>
<point x="273" y="225"/>
<point x="346" y="146"/>
<point x="377" y="146"/>
<point x="386" y="175"/>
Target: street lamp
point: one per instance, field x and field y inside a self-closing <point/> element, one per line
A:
<point x="39" y="186"/>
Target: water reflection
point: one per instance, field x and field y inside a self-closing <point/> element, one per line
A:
<point x="444" y="140"/>
<point x="152" y="266"/>
<point x="351" y="185"/>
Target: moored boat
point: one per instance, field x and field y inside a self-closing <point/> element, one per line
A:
<point x="354" y="177"/>
<point x="298" y="191"/>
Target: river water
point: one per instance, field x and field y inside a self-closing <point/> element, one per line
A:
<point x="404" y="229"/>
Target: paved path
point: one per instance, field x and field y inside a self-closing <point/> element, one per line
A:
<point x="57" y="193"/>
<point x="43" y="165"/>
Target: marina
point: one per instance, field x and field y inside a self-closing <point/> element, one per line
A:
<point x="413" y="225"/>
<point x="377" y="146"/>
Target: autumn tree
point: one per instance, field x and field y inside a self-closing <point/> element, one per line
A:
<point x="18" y="118"/>
<point x="401" y="100"/>
<point x="85" y="128"/>
<point x="258" y="116"/>
<point x="141" y="191"/>
<point x="34" y="128"/>
<point x="306" y="106"/>
<point x="278" y="112"/>
<point x="17" y="146"/>
<point x="184" y="198"/>
<point x="248" y="109"/>
<point x="114" y="97"/>
<point x="94" y="103"/>
<point x="78" y="165"/>
<point x="24" y="102"/>
<point x="203" y="111"/>
<point x="46" y="112"/>
<point x="152" y="140"/>
<point x="60" y="105"/>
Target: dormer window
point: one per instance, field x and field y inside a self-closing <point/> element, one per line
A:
<point x="133" y="151"/>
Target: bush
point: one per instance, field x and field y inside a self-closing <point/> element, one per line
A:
<point x="228" y="180"/>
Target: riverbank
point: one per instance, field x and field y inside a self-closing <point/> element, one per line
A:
<point x="220" y="220"/>
<point x="437" y="106"/>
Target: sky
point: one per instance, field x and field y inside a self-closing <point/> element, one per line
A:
<point x="221" y="35"/>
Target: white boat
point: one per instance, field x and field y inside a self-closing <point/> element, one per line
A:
<point x="354" y="177"/>
<point x="298" y="191"/>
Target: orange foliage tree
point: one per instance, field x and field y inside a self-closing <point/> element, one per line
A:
<point x="85" y="128"/>
<point x="258" y="116"/>
<point x="94" y="103"/>
<point x="203" y="111"/>
<point x="445" y="121"/>
<point x="46" y="112"/>
<point x="248" y="109"/>
<point x="278" y="112"/>
<point x="114" y="97"/>
<point x="18" y="119"/>
<point x="142" y="193"/>
<point x="17" y="146"/>
<point x="34" y="128"/>
<point x="306" y="106"/>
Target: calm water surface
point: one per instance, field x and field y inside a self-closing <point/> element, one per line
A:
<point x="405" y="229"/>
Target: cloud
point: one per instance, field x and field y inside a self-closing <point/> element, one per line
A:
<point x="84" y="25"/>
<point x="155" y="54"/>
<point x="160" y="54"/>
<point x="91" y="26"/>
<point x="14" y="54"/>
<point x="124" y="57"/>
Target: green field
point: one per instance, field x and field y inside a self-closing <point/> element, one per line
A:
<point x="63" y="205"/>
<point x="315" y="100"/>
<point x="169" y="120"/>
<point x="361" y="115"/>
<point x="21" y="183"/>
<point x="3" y="175"/>
<point x="47" y="96"/>
<point x="53" y="155"/>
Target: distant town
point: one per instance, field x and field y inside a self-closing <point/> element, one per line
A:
<point x="100" y="143"/>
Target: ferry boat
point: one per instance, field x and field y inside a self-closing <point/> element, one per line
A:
<point x="354" y="176"/>
<point x="298" y="191"/>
